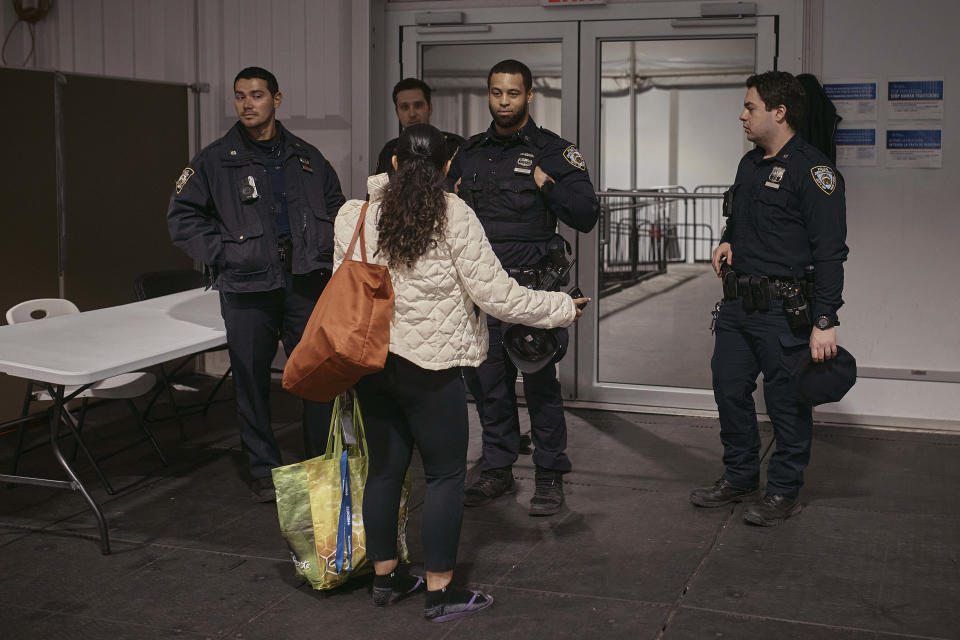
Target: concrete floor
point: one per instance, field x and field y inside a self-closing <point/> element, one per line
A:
<point x="657" y="331"/>
<point x="874" y="554"/>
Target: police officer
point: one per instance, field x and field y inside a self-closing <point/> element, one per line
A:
<point x="519" y="179"/>
<point x="411" y="100"/>
<point x="787" y="213"/>
<point x="257" y="208"/>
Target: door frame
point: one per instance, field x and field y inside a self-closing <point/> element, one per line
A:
<point x="592" y="34"/>
<point x="391" y="59"/>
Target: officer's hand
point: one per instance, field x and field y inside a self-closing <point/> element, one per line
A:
<point x="540" y="177"/>
<point x="724" y="250"/>
<point x="456" y="185"/>
<point x="823" y="344"/>
<point x="579" y="303"/>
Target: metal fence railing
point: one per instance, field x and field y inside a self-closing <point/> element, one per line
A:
<point x="642" y="231"/>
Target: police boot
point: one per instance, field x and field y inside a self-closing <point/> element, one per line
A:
<point x="721" y="493"/>
<point x="548" y="493"/>
<point x="772" y="510"/>
<point x="492" y="484"/>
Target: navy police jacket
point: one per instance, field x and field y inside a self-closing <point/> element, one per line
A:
<point x="787" y="212"/>
<point x="496" y="180"/>
<point x="217" y="218"/>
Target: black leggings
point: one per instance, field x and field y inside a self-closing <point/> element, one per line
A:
<point x="402" y="406"/>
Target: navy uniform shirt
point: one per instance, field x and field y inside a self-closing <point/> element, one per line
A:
<point x="495" y="183"/>
<point x="788" y="211"/>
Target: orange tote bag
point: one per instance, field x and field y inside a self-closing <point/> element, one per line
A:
<point x="348" y="334"/>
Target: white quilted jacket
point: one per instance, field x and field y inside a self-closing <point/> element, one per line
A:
<point x="434" y="323"/>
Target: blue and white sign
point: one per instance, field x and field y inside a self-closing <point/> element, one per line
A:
<point x="854" y="99"/>
<point x="917" y="146"/>
<point x="913" y="98"/>
<point x="856" y="147"/>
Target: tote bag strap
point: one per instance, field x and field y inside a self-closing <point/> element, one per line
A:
<point x="358" y="233"/>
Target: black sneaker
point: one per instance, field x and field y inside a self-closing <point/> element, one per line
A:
<point x="491" y="484"/>
<point x="262" y="490"/>
<point x="772" y="510"/>
<point x="451" y="603"/>
<point x="396" y="586"/>
<point x="721" y="493"/>
<point x="548" y="492"/>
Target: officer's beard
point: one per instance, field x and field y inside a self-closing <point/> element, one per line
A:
<point x="511" y="121"/>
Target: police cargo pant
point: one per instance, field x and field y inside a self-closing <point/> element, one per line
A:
<point x="493" y="386"/>
<point x="255" y="322"/>
<point x="749" y="343"/>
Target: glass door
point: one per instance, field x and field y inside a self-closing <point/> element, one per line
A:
<point x="454" y="60"/>
<point x="659" y="101"/>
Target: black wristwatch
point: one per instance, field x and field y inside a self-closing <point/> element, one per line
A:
<point x="824" y="322"/>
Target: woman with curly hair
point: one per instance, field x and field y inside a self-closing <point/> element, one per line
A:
<point x="445" y="279"/>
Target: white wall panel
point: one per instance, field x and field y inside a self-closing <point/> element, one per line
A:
<point x="88" y="36"/>
<point x="118" y="38"/>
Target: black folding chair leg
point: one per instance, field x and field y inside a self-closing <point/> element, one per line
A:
<point x="168" y="387"/>
<point x="79" y="424"/>
<point x="216" y="388"/>
<point x="67" y="419"/>
<point x="146" y="430"/>
<point x="21" y="430"/>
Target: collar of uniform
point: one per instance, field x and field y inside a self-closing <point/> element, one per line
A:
<point x="784" y="155"/>
<point x="787" y="151"/>
<point x="236" y="140"/>
<point x="527" y="134"/>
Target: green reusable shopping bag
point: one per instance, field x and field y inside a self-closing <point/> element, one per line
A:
<point x="320" y="506"/>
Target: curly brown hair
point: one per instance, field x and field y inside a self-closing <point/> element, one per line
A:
<point x="414" y="211"/>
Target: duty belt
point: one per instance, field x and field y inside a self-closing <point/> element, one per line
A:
<point x="527" y="276"/>
<point x="756" y="291"/>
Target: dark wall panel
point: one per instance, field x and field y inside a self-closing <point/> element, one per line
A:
<point x="28" y="207"/>
<point x="126" y="144"/>
<point x="28" y="244"/>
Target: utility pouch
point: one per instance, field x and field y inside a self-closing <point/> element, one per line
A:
<point x="728" y="201"/>
<point x="746" y="292"/>
<point x="729" y="284"/>
<point x="796" y="308"/>
<point x="761" y="293"/>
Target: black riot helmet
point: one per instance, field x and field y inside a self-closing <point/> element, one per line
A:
<point x="529" y="349"/>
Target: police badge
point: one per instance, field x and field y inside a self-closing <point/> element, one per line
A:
<point x="775" y="177"/>
<point x="572" y="155"/>
<point x="182" y="180"/>
<point x="825" y="178"/>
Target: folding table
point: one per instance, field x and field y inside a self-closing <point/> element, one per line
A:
<point x="84" y="348"/>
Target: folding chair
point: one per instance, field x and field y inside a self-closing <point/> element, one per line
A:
<point x="124" y="387"/>
<point x="162" y="283"/>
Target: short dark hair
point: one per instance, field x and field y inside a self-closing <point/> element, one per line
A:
<point x="258" y="72"/>
<point x="409" y="84"/>
<point x="512" y="66"/>
<point x="781" y="88"/>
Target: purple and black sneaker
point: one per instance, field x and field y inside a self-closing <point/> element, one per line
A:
<point x="395" y="586"/>
<point x="450" y="603"/>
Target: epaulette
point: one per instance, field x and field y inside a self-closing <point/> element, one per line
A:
<point x="473" y="141"/>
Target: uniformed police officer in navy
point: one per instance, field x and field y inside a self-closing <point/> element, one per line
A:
<point x="412" y="102"/>
<point x="257" y="208"/>
<point x="786" y="228"/>
<point x="519" y="179"/>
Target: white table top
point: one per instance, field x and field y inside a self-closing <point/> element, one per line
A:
<point x="86" y="347"/>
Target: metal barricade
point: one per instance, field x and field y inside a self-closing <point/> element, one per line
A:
<point x="642" y="231"/>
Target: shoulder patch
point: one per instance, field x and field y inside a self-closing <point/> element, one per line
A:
<point x="825" y="178"/>
<point x="182" y="180"/>
<point x="572" y="155"/>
